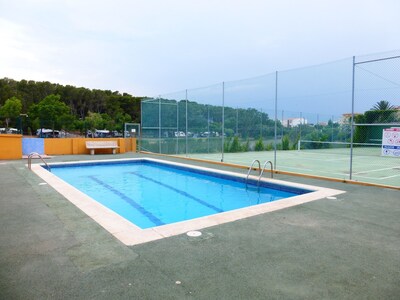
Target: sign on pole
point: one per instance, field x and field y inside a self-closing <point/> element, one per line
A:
<point x="391" y="142"/>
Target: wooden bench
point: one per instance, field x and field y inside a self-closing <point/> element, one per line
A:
<point x="93" y="145"/>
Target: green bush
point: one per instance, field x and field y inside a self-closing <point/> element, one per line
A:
<point x="285" y="143"/>
<point x="235" y="146"/>
<point x="259" y="145"/>
<point x="246" y="147"/>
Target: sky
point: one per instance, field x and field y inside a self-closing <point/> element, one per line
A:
<point x="151" y="47"/>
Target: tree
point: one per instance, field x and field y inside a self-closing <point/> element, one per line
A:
<point x="51" y="112"/>
<point x="11" y="109"/>
<point x="382" y="112"/>
<point x="94" y="121"/>
<point x="382" y="105"/>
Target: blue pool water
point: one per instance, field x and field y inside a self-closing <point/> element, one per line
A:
<point x="151" y="194"/>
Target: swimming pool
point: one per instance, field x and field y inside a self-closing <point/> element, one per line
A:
<point x="139" y="200"/>
<point x="150" y="194"/>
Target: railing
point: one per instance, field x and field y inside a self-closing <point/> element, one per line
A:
<point x="36" y="154"/>
<point x="251" y="167"/>
<point x="262" y="171"/>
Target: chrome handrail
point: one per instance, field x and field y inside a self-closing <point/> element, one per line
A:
<point x="36" y="154"/>
<point x="251" y="167"/>
<point x="262" y="171"/>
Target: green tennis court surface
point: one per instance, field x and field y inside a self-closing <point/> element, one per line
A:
<point x="368" y="165"/>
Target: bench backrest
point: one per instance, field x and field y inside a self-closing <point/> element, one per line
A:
<point x="94" y="144"/>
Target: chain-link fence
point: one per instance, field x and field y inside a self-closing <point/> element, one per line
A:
<point x="327" y="120"/>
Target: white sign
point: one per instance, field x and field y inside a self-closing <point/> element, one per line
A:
<point x="391" y="142"/>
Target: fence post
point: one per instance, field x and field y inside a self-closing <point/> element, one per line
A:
<point x="141" y="127"/>
<point x="276" y="117"/>
<point x="177" y="127"/>
<point x="186" y="138"/>
<point x="159" y="124"/>
<point x="223" y="120"/>
<point x="208" y="128"/>
<point x="352" y="118"/>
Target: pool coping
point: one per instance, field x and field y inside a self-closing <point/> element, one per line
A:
<point x="130" y="234"/>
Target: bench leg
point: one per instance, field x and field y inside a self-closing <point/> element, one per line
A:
<point x="114" y="151"/>
<point x="91" y="151"/>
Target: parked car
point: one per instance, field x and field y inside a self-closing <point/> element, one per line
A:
<point x="179" y="134"/>
<point x="47" y="133"/>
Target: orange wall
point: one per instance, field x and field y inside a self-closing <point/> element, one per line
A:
<point x="10" y="146"/>
<point x="78" y="145"/>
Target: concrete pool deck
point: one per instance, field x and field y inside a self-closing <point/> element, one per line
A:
<point x="344" y="248"/>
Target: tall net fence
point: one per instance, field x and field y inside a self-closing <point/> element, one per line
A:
<point x="339" y="119"/>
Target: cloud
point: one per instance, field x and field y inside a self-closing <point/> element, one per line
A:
<point x="148" y="47"/>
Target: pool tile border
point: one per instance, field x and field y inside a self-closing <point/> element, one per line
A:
<point x="130" y="234"/>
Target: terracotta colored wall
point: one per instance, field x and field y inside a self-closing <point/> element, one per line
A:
<point x="78" y="145"/>
<point x="10" y="146"/>
<point x="58" y="146"/>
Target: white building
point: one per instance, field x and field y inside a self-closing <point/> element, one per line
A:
<point x="293" y="122"/>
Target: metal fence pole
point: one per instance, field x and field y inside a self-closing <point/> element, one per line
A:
<point x="159" y="125"/>
<point x="177" y="127"/>
<point x="186" y="138"/>
<point x="276" y="117"/>
<point x="223" y="120"/>
<point x="208" y="128"/>
<point x="141" y="127"/>
<point x="352" y="118"/>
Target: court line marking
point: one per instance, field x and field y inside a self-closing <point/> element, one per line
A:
<point x="377" y="170"/>
<point x="235" y="159"/>
<point x="393" y="176"/>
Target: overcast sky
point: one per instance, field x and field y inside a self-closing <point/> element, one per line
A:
<point x="151" y="47"/>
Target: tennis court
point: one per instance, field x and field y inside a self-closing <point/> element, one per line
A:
<point x="367" y="165"/>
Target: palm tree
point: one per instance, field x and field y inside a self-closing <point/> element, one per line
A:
<point x="382" y="105"/>
<point x="382" y="112"/>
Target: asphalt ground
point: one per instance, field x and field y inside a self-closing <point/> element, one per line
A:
<point x="344" y="248"/>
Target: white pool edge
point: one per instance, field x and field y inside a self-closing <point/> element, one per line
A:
<point x="130" y="234"/>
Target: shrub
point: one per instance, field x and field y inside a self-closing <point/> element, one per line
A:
<point x="235" y="146"/>
<point x="269" y="147"/>
<point x="285" y="143"/>
<point x="259" y="145"/>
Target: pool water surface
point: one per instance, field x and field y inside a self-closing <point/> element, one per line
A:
<point x="152" y="194"/>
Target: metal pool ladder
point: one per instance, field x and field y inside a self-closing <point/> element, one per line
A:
<point x="261" y="171"/>
<point x="36" y="154"/>
<point x="251" y="167"/>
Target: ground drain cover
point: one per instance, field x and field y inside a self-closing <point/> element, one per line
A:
<point x="331" y="198"/>
<point x="193" y="233"/>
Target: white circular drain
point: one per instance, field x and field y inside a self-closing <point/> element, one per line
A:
<point x="42" y="183"/>
<point x="331" y="198"/>
<point x="193" y="233"/>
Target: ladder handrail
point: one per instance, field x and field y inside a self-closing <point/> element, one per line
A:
<point x="262" y="171"/>
<point x="251" y="167"/>
<point x="37" y="154"/>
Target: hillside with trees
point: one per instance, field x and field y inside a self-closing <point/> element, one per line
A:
<point x="33" y="104"/>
